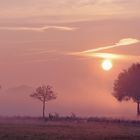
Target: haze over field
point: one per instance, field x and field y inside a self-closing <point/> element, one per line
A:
<point x="63" y="43"/>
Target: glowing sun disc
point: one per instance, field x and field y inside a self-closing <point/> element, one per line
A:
<point x="107" y="65"/>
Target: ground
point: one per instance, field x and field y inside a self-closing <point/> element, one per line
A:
<point x="70" y="130"/>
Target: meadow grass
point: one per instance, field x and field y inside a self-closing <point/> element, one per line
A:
<point x="70" y="130"/>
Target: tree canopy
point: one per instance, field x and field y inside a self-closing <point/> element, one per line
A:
<point x="44" y="94"/>
<point x="127" y="85"/>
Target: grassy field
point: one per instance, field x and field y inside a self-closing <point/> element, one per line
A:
<point x="70" y="130"/>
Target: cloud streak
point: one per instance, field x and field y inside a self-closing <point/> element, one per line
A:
<point x="113" y="56"/>
<point x="40" y="52"/>
<point x="97" y="51"/>
<point x="122" y="42"/>
<point x="39" y="29"/>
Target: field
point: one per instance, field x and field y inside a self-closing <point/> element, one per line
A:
<point x="69" y="130"/>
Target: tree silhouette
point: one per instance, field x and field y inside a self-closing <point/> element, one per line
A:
<point x="44" y="94"/>
<point x="127" y="85"/>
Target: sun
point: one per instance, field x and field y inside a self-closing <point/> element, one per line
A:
<point x="107" y="65"/>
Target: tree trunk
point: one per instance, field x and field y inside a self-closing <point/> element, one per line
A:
<point x="43" y="109"/>
<point x="138" y="108"/>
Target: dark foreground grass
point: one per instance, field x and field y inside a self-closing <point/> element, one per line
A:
<point x="70" y="131"/>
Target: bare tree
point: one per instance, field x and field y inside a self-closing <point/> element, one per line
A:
<point x="44" y="94"/>
<point x="127" y="85"/>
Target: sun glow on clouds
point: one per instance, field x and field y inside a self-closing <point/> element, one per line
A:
<point x="127" y="41"/>
<point x="107" y="55"/>
<point x="95" y="52"/>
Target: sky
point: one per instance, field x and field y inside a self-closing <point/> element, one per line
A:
<point x="63" y="43"/>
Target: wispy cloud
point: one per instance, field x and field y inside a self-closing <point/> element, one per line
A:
<point x="39" y="52"/>
<point x="39" y="29"/>
<point x="107" y="55"/>
<point x="122" y="42"/>
<point x="97" y="51"/>
<point x="71" y="9"/>
<point x="113" y="56"/>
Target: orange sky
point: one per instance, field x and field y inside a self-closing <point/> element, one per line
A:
<point x="37" y="38"/>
